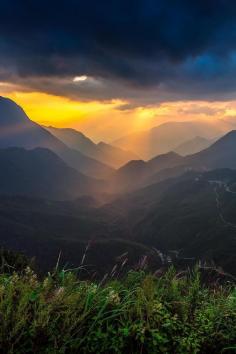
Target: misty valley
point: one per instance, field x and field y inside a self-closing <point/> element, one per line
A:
<point x="62" y="194"/>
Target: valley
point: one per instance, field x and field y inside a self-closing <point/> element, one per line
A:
<point x="170" y="209"/>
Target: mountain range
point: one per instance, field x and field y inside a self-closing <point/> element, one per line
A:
<point x="136" y="174"/>
<point x="171" y="207"/>
<point x="41" y="173"/>
<point x="17" y="130"/>
<point x="220" y="154"/>
<point x="194" y="145"/>
<point x="103" y="152"/>
<point x="168" y="136"/>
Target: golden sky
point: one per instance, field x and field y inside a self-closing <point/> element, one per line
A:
<point x="106" y="120"/>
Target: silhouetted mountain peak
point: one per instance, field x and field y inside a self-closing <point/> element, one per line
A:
<point x="170" y="159"/>
<point x="134" y="164"/>
<point x="192" y="146"/>
<point x="103" y="144"/>
<point x="11" y="113"/>
<point x="168" y="136"/>
<point x="225" y="145"/>
<point x="129" y="174"/>
<point x="70" y="131"/>
<point x="40" y="172"/>
<point x="230" y="137"/>
<point x="16" y="129"/>
<point x="167" y="156"/>
<point x="221" y="154"/>
<point x="102" y="151"/>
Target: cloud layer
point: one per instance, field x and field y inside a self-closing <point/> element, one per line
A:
<point x="143" y="51"/>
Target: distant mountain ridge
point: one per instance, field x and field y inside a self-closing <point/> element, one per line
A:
<point x="168" y="136"/>
<point x="194" y="145"/>
<point x="221" y="154"/>
<point x="41" y="173"/>
<point x="169" y="203"/>
<point x="17" y="130"/>
<point x="137" y="174"/>
<point x="106" y="153"/>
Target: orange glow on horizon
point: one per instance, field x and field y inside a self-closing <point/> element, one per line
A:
<point x="105" y="120"/>
<point x="55" y="110"/>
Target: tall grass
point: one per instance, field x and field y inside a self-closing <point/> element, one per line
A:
<point x="141" y="313"/>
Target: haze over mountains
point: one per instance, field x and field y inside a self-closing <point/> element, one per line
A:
<point x="168" y="136"/>
<point x="219" y="155"/>
<point x="41" y="173"/>
<point x="194" y="145"/>
<point x="103" y="152"/>
<point x="17" y="130"/>
<point x="170" y="202"/>
<point x="135" y="174"/>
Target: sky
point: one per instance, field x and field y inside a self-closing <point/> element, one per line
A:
<point x="109" y="68"/>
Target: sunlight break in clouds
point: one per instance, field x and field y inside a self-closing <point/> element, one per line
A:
<point x="108" y="120"/>
<point x="80" y="78"/>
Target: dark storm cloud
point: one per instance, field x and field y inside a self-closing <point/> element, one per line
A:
<point x="136" y="49"/>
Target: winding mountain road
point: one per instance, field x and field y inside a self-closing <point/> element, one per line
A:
<point x="220" y="184"/>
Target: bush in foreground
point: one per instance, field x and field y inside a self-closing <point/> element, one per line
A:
<point x="142" y="313"/>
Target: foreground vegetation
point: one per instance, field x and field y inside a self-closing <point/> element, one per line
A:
<point x="172" y="313"/>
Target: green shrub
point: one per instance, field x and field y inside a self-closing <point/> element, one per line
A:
<point x="142" y="313"/>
